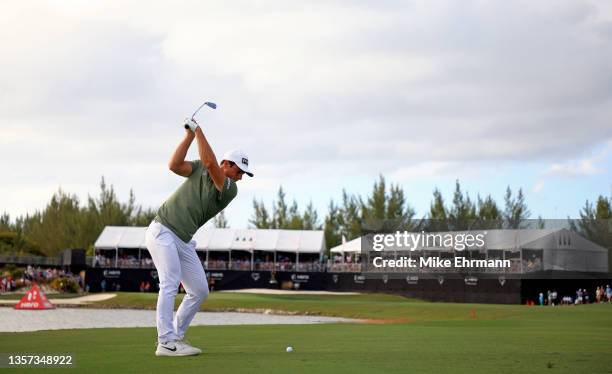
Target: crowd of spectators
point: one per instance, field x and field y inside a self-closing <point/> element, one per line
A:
<point x="215" y="264"/>
<point x="240" y="265"/>
<point x="245" y="264"/>
<point x="7" y="283"/>
<point x="124" y="261"/>
<point x="311" y="266"/>
<point x="45" y="276"/>
<point x="349" y="262"/>
<point x="101" y="261"/>
<point x="284" y="263"/>
<point x="42" y="275"/>
<point x="582" y="296"/>
<point x="263" y="265"/>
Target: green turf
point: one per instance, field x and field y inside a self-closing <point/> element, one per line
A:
<point x="363" y="306"/>
<point x="432" y="338"/>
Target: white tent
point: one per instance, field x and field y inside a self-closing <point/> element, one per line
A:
<point x="559" y="249"/>
<point x="116" y="237"/>
<point x="296" y="241"/>
<point x="353" y="246"/>
<point x="214" y="239"/>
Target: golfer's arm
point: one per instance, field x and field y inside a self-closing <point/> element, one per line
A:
<point x="209" y="160"/>
<point x="177" y="163"/>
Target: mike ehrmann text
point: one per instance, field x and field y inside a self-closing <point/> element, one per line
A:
<point x="437" y="262"/>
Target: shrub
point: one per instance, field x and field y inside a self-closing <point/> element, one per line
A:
<point x="65" y="284"/>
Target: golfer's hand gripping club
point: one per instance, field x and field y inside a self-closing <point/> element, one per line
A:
<point x="190" y="124"/>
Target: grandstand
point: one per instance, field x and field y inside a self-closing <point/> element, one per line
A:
<point x="528" y="250"/>
<point x="544" y="259"/>
<point x="219" y="249"/>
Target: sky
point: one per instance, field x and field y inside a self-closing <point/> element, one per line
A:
<point x="322" y="95"/>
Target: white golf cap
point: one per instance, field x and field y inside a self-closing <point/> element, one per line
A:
<point x="240" y="158"/>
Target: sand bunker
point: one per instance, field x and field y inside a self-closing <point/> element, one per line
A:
<point x="12" y="320"/>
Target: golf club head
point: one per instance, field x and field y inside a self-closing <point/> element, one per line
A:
<point x="208" y="104"/>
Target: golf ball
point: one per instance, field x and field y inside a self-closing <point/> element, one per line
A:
<point x="289" y="349"/>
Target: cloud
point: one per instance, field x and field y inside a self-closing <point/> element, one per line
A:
<point x="586" y="166"/>
<point x="538" y="187"/>
<point x="409" y="88"/>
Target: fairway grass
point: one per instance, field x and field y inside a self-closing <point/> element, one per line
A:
<point x="429" y="338"/>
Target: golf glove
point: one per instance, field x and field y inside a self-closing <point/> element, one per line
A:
<point x="191" y="124"/>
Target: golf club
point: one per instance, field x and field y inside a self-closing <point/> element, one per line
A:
<point x="208" y="104"/>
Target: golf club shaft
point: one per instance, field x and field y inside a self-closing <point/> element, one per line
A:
<point x="197" y="110"/>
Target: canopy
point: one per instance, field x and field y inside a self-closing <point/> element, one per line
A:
<point x="348" y="247"/>
<point x="214" y="239"/>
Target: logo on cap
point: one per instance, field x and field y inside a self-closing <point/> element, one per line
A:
<point x="245" y="161"/>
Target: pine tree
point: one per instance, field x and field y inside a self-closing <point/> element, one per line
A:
<point x="260" y="218"/>
<point x="332" y="226"/>
<point x="463" y="211"/>
<point x="489" y="215"/>
<point x="57" y="226"/>
<point x="376" y="207"/>
<point x="351" y="216"/>
<point x="5" y="222"/>
<point x="399" y="214"/>
<point x="438" y="214"/>
<point x="280" y="216"/>
<point x="515" y="211"/>
<point x="310" y="219"/>
<point x="294" y="219"/>
<point x="595" y="224"/>
<point x="220" y="221"/>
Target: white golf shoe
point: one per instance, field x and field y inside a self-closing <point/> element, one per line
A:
<point x="176" y="348"/>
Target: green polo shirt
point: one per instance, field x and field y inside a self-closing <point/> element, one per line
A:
<point x="195" y="202"/>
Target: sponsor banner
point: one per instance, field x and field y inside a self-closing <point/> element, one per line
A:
<point x="412" y="279"/>
<point x="300" y="278"/>
<point x="215" y="275"/>
<point x="359" y="279"/>
<point x="112" y="273"/>
<point x="471" y="281"/>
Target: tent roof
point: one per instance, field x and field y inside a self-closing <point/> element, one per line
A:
<point x="348" y="247"/>
<point x="213" y="239"/>
<point x="121" y="237"/>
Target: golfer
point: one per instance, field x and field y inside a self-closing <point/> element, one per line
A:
<point x="208" y="189"/>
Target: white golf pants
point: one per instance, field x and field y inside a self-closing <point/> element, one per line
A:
<point x="176" y="262"/>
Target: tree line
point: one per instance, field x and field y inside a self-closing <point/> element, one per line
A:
<point x="65" y="222"/>
<point x="386" y="208"/>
